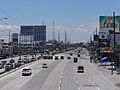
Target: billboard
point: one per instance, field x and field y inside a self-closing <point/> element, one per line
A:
<point x="117" y="39"/>
<point x="96" y="38"/>
<point x="106" y="23"/>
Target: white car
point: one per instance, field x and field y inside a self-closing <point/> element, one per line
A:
<point x="44" y="65"/>
<point x="26" y="71"/>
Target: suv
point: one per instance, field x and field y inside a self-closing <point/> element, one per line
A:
<point x="71" y="54"/>
<point x="56" y="58"/>
<point x="78" y="55"/>
<point x="80" y="69"/>
<point x="62" y="57"/>
<point x="44" y="65"/>
<point x="75" y="60"/>
<point x="26" y="71"/>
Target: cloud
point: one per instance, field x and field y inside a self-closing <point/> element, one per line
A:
<point x="4" y="31"/>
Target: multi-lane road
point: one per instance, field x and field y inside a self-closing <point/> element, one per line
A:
<point x="60" y="75"/>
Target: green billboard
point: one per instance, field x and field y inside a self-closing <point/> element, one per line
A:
<point x="106" y="23"/>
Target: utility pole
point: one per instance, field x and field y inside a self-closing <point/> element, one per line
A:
<point x="114" y="41"/>
<point x="96" y="30"/>
<point x="65" y="39"/>
<point x="53" y="30"/>
<point x="58" y="36"/>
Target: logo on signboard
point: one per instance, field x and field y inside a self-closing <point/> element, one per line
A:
<point x="102" y="35"/>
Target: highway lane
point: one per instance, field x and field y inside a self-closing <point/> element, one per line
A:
<point x="60" y="75"/>
<point x="92" y="79"/>
<point x="15" y="80"/>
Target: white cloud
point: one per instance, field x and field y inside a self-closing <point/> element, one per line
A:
<point x="4" y="31"/>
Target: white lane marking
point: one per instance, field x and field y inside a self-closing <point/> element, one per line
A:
<point x="78" y="88"/>
<point x="59" y="88"/>
<point x="98" y="88"/>
<point x="60" y="81"/>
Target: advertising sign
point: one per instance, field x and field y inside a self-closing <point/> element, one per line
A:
<point x="106" y="23"/>
<point x="117" y="39"/>
<point x="103" y="35"/>
<point x="96" y="38"/>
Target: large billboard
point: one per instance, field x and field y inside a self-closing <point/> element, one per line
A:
<point x="106" y="23"/>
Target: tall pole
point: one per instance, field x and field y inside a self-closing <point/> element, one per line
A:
<point x="96" y="30"/>
<point x="119" y="25"/>
<point x="58" y="36"/>
<point x="114" y="40"/>
<point x="114" y="28"/>
<point x="9" y="45"/>
<point x="53" y="30"/>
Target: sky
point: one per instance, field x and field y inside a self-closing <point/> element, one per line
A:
<point x="79" y="18"/>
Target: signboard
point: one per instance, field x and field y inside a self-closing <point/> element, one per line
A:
<point x="103" y="43"/>
<point x="96" y="38"/>
<point x="106" y="23"/>
<point x="103" y="35"/>
<point x="117" y="39"/>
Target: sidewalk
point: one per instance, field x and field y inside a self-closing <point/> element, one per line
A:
<point x="106" y="71"/>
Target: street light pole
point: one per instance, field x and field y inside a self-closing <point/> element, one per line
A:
<point x="114" y="40"/>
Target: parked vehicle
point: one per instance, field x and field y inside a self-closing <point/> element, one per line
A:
<point x="8" y="66"/>
<point x="1" y="65"/>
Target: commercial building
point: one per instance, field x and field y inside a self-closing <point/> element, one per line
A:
<point x="32" y="37"/>
<point x="15" y="45"/>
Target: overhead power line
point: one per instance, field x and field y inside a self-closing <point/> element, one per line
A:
<point x="10" y="17"/>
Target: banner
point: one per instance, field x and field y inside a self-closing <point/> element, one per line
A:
<point x="106" y="23"/>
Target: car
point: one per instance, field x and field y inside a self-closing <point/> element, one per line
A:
<point x="26" y="71"/>
<point x="62" y="57"/>
<point x="56" y="58"/>
<point x="75" y="60"/>
<point x="1" y="65"/>
<point x="80" y="69"/>
<point x="78" y="55"/>
<point x="44" y="65"/>
<point x="71" y="54"/>
<point x="8" y="66"/>
<point x="68" y="57"/>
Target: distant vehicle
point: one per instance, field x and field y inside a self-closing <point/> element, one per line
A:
<point x="8" y="66"/>
<point x="1" y="65"/>
<point x="78" y="55"/>
<point x="33" y="58"/>
<point x="75" y="60"/>
<point x="71" y="54"/>
<point x="56" y="58"/>
<point x="20" y="62"/>
<point x="26" y="71"/>
<point x="80" y="69"/>
<point x="4" y="62"/>
<point x="12" y="61"/>
<point x="68" y="57"/>
<point x="26" y="59"/>
<point x="44" y="65"/>
<point x="62" y="57"/>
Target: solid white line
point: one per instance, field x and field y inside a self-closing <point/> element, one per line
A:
<point x="98" y="88"/>
<point x="79" y="88"/>
<point x="59" y="88"/>
<point x="60" y="81"/>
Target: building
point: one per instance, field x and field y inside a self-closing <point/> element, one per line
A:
<point x="15" y="41"/>
<point x="32" y="37"/>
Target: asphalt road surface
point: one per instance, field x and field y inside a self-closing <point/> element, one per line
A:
<point x="60" y="75"/>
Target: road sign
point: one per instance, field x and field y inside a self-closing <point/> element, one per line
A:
<point x="103" y="35"/>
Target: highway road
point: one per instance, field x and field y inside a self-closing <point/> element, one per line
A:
<point x="60" y="75"/>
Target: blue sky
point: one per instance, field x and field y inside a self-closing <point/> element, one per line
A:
<point x="78" y="17"/>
